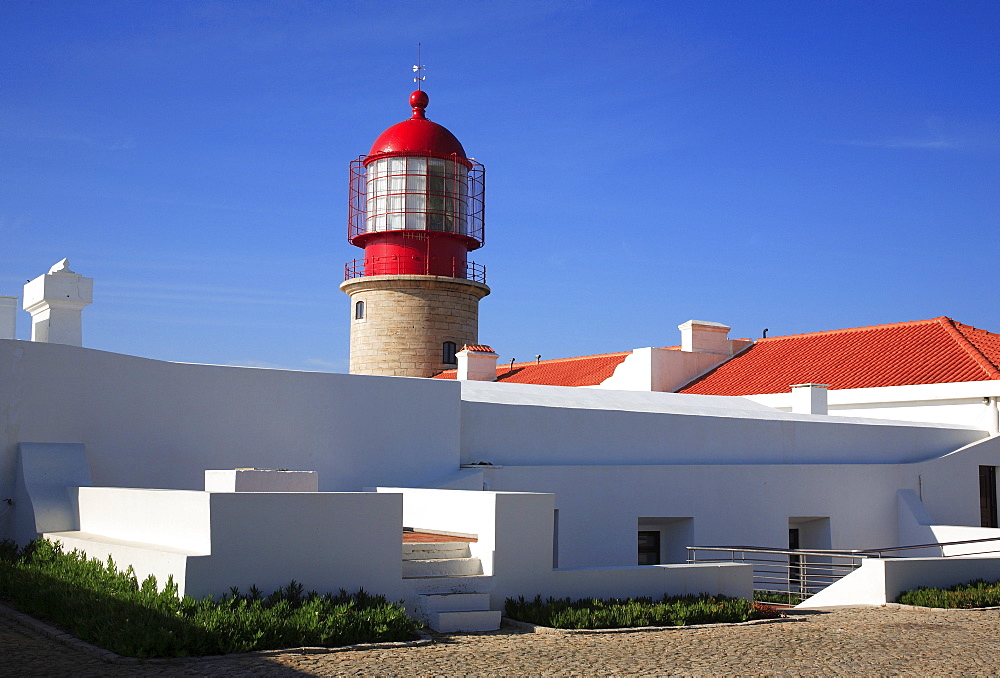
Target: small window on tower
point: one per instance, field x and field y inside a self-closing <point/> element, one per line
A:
<point x="448" y="353"/>
<point x="359" y="310"/>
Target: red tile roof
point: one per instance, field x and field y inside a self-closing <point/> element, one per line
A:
<point x="477" y="348"/>
<point x="583" y="371"/>
<point x="932" y="351"/>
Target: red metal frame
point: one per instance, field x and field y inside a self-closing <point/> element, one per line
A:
<point x="358" y="208"/>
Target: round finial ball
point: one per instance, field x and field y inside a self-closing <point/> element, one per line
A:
<point x="419" y="99"/>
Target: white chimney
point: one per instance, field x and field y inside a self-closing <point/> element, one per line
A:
<point x="8" y="316"/>
<point x="477" y="363"/>
<point x="702" y="336"/>
<point x="55" y="301"/>
<point x="809" y="398"/>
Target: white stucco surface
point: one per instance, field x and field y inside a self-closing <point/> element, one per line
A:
<point x="260" y="480"/>
<point x="659" y="369"/>
<point x="878" y="581"/>
<point x="43" y="487"/>
<point x="517" y="424"/>
<point x="515" y="533"/>
<point x="152" y="423"/>
<point x="211" y="541"/>
<point x="951" y="403"/>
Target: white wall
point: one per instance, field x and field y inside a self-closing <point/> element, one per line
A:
<point x="212" y="541"/>
<point x="544" y="425"/>
<point x="660" y="369"/>
<point x="750" y="504"/>
<point x="878" y="582"/>
<point x="951" y="403"/>
<point x="515" y="532"/>
<point x="147" y="423"/>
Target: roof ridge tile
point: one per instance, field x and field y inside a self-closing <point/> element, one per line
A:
<point x="988" y="366"/>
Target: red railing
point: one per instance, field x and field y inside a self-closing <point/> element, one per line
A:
<point x="449" y="267"/>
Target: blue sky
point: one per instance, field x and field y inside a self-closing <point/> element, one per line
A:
<point x="797" y="166"/>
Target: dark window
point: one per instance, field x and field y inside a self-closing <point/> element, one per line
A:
<point x="649" y="547"/>
<point x="988" y="496"/>
<point x="359" y="310"/>
<point x="448" y="353"/>
<point x="794" y="562"/>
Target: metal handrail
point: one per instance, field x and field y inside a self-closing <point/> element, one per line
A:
<point x="796" y="572"/>
<point x="394" y="265"/>
<point x="847" y="552"/>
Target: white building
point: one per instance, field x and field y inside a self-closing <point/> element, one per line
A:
<point x="566" y="491"/>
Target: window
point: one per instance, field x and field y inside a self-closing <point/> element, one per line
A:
<point x="359" y="310"/>
<point x="448" y="353"/>
<point x="649" y="547"/>
<point x="417" y="194"/>
<point x="666" y="540"/>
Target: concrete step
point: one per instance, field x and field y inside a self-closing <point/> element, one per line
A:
<point x="454" y="602"/>
<point x="464" y="584"/>
<point x="436" y="550"/>
<point x="468" y="620"/>
<point x="442" y="567"/>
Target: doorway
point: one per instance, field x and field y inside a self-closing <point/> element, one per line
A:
<point x="988" y="496"/>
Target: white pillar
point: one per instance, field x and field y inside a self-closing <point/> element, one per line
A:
<point x="55" y="301"/>
<point x="477" y="363"/>
<point x="8" y="316"/>
<point x="809" y="398"/>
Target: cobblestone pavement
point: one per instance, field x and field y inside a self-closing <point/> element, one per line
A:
<point x="857" y="641"/>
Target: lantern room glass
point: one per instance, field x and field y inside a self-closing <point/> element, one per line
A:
<point x="418" y="194"/>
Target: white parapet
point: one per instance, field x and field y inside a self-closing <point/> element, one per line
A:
<point x="261" y="480"/>
<point x="8" y="316"/>
<point x="55" y="301"/>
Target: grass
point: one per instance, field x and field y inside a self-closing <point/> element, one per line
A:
<point x="977" y="593"/>
<point x="613" y="613"/>
<point x="108" y="607"/>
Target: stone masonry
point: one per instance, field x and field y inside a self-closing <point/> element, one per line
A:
<point x="407" y="319"/>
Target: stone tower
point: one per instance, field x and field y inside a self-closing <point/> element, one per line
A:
<point x="416" y="208"/>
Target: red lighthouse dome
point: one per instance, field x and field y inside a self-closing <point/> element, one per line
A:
<point x="416" y="204"/>
<point x="418" y="135"/>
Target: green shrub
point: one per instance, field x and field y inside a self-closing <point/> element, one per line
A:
<point x="615" y="613"/>
<point x="978" y="593"/>
<point x="778" y="597"/>
<point x="110" y="608"/>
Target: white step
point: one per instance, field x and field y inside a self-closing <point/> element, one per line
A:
<point x="468" y="620"/>
<point x="432" y="550"/>
<point x="442" y="567"/>
<point x="454" y="602"/>
<point x="467" y="584"/>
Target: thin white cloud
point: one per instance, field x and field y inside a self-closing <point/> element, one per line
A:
<point x="901" y="143"/>
<point x="197" y="294"/>
<point x="38" y="133"/>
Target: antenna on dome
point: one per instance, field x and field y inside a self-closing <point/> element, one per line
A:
<point x="419" y="69"/>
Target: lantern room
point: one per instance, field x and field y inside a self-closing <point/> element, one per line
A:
<point x="416" y="202"/>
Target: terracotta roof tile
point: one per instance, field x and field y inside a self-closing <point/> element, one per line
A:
<point x="478" y="348"/>
<point x="583" y="371"/>
<point x="938" y="350"/>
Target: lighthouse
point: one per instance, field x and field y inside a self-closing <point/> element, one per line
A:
<point x="416" y="208"/>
